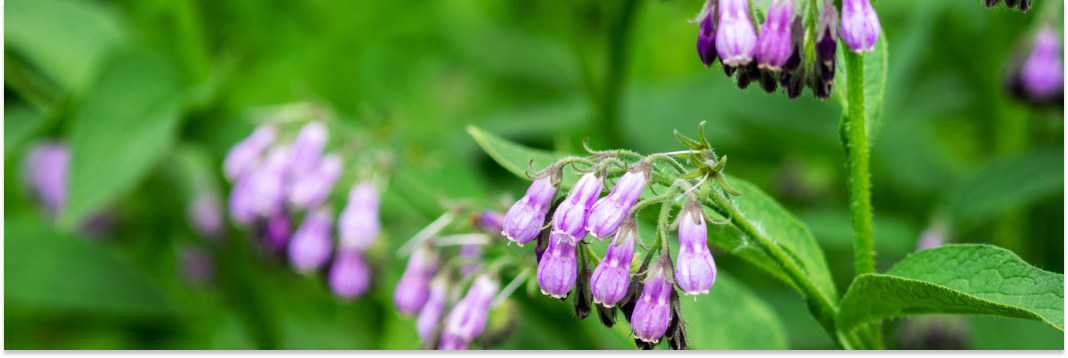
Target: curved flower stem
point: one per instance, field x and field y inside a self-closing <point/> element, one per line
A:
<point x="591" y="255"/>
<point x="824" y="310"/>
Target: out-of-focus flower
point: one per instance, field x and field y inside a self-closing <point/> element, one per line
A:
<point x="310" y="247"/>
<point x="359" y="224"/>
<point x="349" y="275"/>
<point x="46" y="171"/>
<point x="307" y="147"/>
<point x="490" y="221"/>
<point x="570" y="216"/>
<point x="310" y="189"/>
<point x="522" y="221"/>
<point x="430" y="315"/>
<point x="468" y="318"/>
<point x="1043" y="71"/>
<point x="195" y="265"/>
<point x="557" y="268"/>
<point x="611" y="278"/>
<point x="244" y="156"/>
<point x="452" y="342"/>
<point x="735" y="37"/>
<point x="470" y="252"/>
<point x="609" y="211"/>
<point x="266" y="184"/>
<point x="205" y="213"/>
<point x="860" y="25"/>
<point x="414" y="286"/>
<point x="695" y="270"/>
<point x="276" y="233"/>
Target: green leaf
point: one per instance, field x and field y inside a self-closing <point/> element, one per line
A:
<point x="52" y="272"/>
<point x="957" y="279"/>
<point x="875" y="65"/>
<point x="731" y="316"/>
<point x="66" y="39"/>
<point x="781" y="226"/>
<point x="20" y="123"/>
<point x="128" y="122"/>
<point x="1005" y="185"/>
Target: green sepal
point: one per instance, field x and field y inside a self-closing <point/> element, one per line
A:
<point x="689" y="143"/>
<point x="722" y="180"/>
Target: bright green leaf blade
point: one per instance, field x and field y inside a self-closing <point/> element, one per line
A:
<point x="731" y="316"/>
<point x="1005" y="185"/>
<point x="66" y="39"/>
<point x="779" y="224"/>
<point x="124" y="127"/>
<point x="875" y="65"/>
<point x="50" y="272"/>
<point x="957" y="279"/>
<point x="20" y="123"/>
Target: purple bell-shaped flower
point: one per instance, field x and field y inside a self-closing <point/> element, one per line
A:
<point x="608" y="213"/>
<point x="414" y="286"/>
<point x="735" y="37"/>
<point x="774" y="44"/>
<point x="611" y="278"/>
<point x="652" y="313"/>
<point x="860" y="25"/>
<point x="570" y="216"/>
<point x="523" y="220"/>
<point x="350" y="277"/>
<point x="359" y="224"/>
<point x="557" y="267"/>
<point x="310" y="247"/>
<point x="695" y="271"/>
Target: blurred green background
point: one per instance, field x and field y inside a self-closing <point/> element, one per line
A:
<point x="138" y="84"/>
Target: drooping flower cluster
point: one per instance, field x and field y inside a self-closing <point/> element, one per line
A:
<point x="648" y="298"/>
<point x="773" y="53"/>
<point x="276" y="182"/>
<point x="1039" y="76"/>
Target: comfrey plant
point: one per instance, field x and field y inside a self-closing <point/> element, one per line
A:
<point x="794" y="47"/>
<point x="276" y="181"/>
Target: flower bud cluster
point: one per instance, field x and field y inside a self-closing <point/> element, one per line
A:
<point x="773" y="53"/>
<point x="275" y="182"/>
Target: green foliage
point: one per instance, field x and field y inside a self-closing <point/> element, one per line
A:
<point x="959" y="279"/>
<point x="20" y="123"/>
<point x="731" y="316"/>
<point x="875" y="68"/>
<point x="128" y="122"/>
<point x="1005" y="185"/>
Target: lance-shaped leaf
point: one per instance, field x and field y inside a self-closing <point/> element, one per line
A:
<point x="957" y="279"/>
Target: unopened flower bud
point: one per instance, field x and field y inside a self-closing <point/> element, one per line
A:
<point x="1043" y="72"/>
<point x="774" y="44"/>
<point x="359" y="224"/>
<point x="860" y="25"/>
<point x="244" y="156"/>
<point x="706" y="36"/>
<point x="652" y="313"/>
<point x="307" y="148"/>
<point x="350" y="277"/>
<point x="311" y="188"/>
<point x="570" y="216"/>
<point x="735" y="37"/>
<point x="610" y="210"/>
<point x="267" y="183"/>
<point x="557" y="268"/>
<point x="826" y="45"/>
<point x="468" y="318"/>
<point x="311" y="245"/>
<point x="611" y="278"/>
<point x="527" y="215"/>
<point x="205" y="213"/>
<point x="793" y="76"/>
<point x="414" y="286"/>
<point x="452" y="342"/>
<point x="695" y="271"/>
<point x="46" y="169"/>
<point x="430" y="314"/>
<point x="490" y="221"/>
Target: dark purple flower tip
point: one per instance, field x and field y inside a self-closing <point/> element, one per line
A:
<point x="46" y="172"/>
<point x="359" y="224"/>
<point x="244" y="156"/>
<point x="611" y="278"/>
<point x="277" y="232"/>
<point x="570" y="216"/>
<point x="860" y="25"/>
<point x="557" y="268"/>
<point x="310" y="247"/>
<point x="430" y="314"/>
<point x="414" y="286"/>
<point x="267" y="183"/>
<point x="652" y="313"/>
<point x="774" y="45"/>
<point x="311" y="188"/>
<point x="468" y="318"/>
<point x="452" y="342"/>
<point x="735" y="37"/>
<point x="706" y="36"/>
<point x="1043" y="72"/>
<point x="523" y="220"/>
<point x="609" y="212"/>
<point x="196" y="265"/>
<point x="991" y="3"/>
<point x="490" y="221"/>
<point x="350" y="277"/>
<point x="307" y="148"/>
<point x="205" y="213"/>
<point x="695" y="271"/>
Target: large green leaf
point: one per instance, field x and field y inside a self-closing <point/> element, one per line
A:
<point x="958" y="279"/>
<point x="1005" y="185"/>
<point x="66" y="39"/>
<point x="50" y="272"/>
<point x="20" y="123"/>
<point x="731" y="316"/>
<point x="128" y="122"/>
<point x="781" y="226"/>
<point x="875" y="65"/>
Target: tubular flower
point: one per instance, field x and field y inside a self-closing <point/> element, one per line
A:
<point x="570" y="216"/>
<point x="611" y="278"/>
<point x="1043" y="72"/>
<point x="452" y="342"/>
<point x="349" y="275"/>
<point x="240" y="202"/>
<point x="610" y="210"/>
<point x="46" y="172"/>
<point x="266" y="184"/>
<point x="706" y="36"/>
<point x="311" y="245"/>
<point x="557" y="268"/>
<point x="468" y="318"/>
<point x="735" y="37"/>
<point x="860" y="25"/>
<point x="826" y="46"/>
<point x="244" y="156"/>
<point x="430" y="314"/>
<point x="695" y="270"/>
<point x="522" y="221"/>
<point x="307" y="148"/>
<point x="413" y="287"/>
<point x="359" y="224"/>
<point x="205" y="213"/>
<point x="774" y="44"/>
<point x="490" y="221"/>
<point x="652" y="313"/>
<point x="311" y="189"/>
